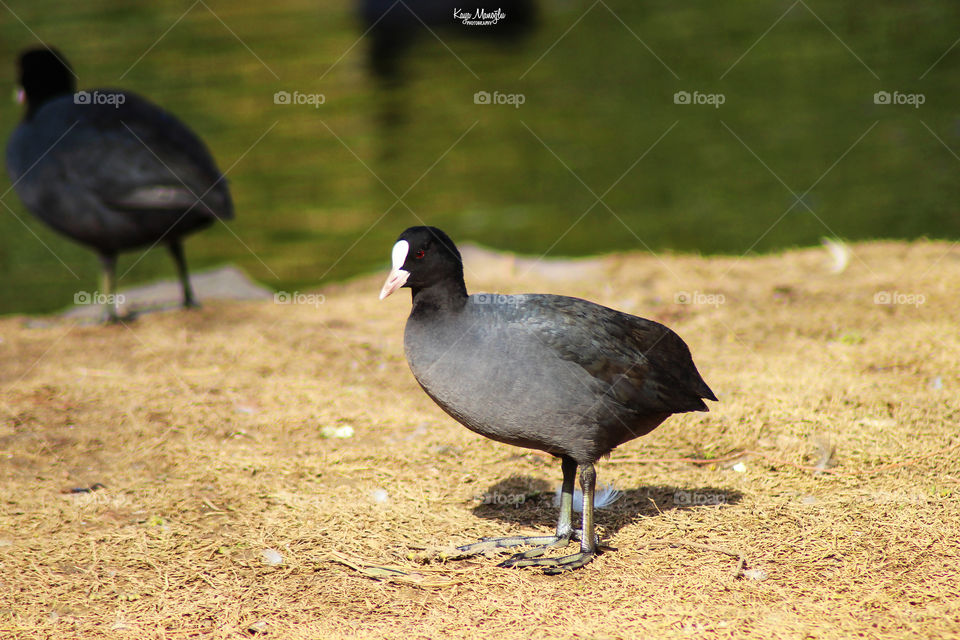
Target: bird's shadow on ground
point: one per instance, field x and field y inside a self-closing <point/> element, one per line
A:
<point x="530" y="502"/>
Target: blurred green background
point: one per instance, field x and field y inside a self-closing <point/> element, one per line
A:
<point x="316" y="188"/>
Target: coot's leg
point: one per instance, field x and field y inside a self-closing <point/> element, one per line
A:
<point x="176" y="250"/>
<point x="565" y="523"/>
<point x="108" y="287"/>
<point x="588" y="540"/>
<point x="540" y="544"/>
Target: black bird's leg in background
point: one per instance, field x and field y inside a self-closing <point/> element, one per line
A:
<point x="176" y="250"/>
<point x="540" y="544"/>
<point x="588" y="540"/>
<point x="108" y="287"/>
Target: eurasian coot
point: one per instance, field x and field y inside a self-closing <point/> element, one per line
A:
<point x="109" y="169"/>
<point x="559" y="374"/>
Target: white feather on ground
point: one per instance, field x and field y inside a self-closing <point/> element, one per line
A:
<point x="603" y="497"/>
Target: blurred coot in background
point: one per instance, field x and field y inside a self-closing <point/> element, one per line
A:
<point x="110" y="170"/>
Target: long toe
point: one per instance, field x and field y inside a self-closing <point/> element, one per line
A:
<point x="551" y="566"/>
<point x="535" y="552"/>
<point x="499" y="545"/>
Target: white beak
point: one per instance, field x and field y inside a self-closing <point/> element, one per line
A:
<point x="398" y="277"/>
<point x="394" y="281"/>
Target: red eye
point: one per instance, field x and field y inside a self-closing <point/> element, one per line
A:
<point x="419" y="254"/>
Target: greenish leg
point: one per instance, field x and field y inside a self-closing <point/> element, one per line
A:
<point x="540" y="544"/>
<point x="176" y="250"/>
<point x="108" y="287"/>
<point x="588" y="540"/>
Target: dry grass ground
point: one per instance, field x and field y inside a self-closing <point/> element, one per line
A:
<point x="206" y="430"/>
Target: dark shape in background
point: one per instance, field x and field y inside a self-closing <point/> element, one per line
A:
<point x="394" y="25"/>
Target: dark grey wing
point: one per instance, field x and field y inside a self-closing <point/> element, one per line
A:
<point x="115" y="175"/>
<point x="139" y="157"/>
<point x="639" y="363"/>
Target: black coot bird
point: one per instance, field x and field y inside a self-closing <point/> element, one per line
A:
<point x="558" y="374"/>
<point x="109" y="169"/>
